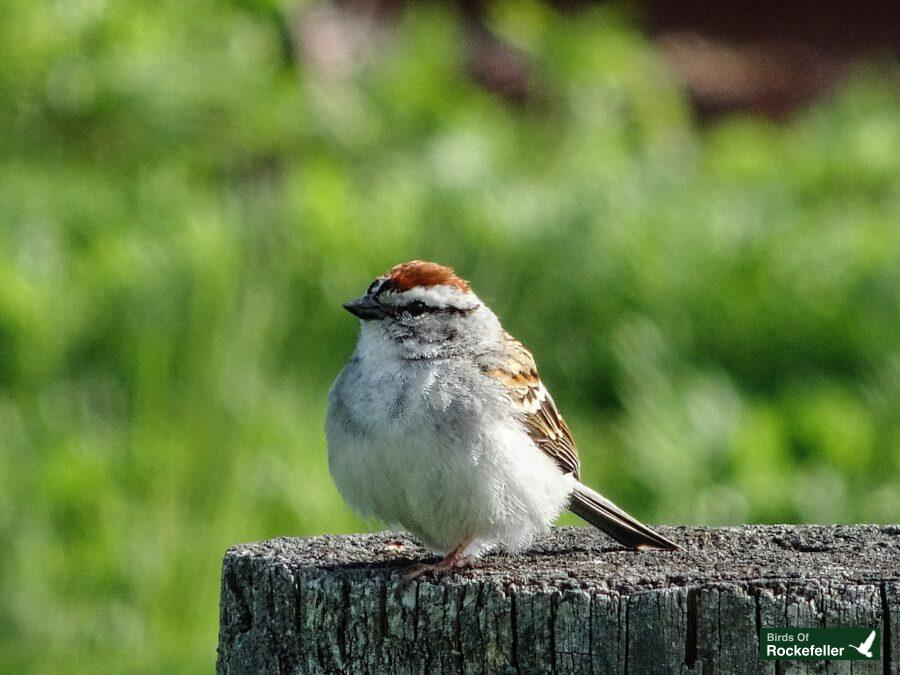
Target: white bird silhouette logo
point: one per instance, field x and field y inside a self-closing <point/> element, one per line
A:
<point x="866" y="647"/>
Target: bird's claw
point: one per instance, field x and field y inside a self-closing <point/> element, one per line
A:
<point x="438" y="568"/>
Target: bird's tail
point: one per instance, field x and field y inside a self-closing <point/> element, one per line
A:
<point x="606" y="516"/>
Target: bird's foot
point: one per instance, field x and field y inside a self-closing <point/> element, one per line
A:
<point x="421" y="569"/>
<point x="451" y="561"/>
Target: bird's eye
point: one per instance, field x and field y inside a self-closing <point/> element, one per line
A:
<point x="415" y="308"/>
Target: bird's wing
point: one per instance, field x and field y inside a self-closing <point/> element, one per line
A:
<point x="514" y="368"/>
<point x="865" y="646"/>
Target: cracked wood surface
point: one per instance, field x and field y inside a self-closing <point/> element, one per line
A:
<point x="575" y="603"/>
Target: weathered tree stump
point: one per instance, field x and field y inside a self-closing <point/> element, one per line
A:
<point x="576" y="603"/>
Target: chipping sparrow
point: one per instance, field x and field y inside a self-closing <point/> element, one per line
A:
<point x="440" y="424"/>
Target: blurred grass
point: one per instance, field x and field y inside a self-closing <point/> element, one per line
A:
<point x="716" y="309"/>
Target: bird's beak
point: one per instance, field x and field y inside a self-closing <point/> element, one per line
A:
<point x="365" y="308"/>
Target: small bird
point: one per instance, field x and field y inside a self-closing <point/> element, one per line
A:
<point x="440" y="424"/>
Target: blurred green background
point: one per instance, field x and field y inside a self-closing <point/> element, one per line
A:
<point x="184" y="206"/>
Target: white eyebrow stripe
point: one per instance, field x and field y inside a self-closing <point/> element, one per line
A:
<point x="376" y="286"/>
<point x="439" y="296"/>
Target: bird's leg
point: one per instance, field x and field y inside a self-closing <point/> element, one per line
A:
<point x="453" y="559"/>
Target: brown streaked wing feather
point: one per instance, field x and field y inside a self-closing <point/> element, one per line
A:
<point x="542" y="421"/>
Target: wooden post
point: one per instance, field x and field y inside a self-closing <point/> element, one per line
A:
<point x="575" y="603"/>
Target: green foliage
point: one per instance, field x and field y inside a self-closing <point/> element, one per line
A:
<point x="715" y="309"/>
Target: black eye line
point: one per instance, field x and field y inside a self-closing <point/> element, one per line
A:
<point x="428" y="309"/>
<point x="420" y="308"/>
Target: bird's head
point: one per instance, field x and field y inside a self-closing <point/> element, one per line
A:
<point x="423" y="305"/>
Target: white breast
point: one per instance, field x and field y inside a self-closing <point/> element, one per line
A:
<point x="432" y="447"/>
